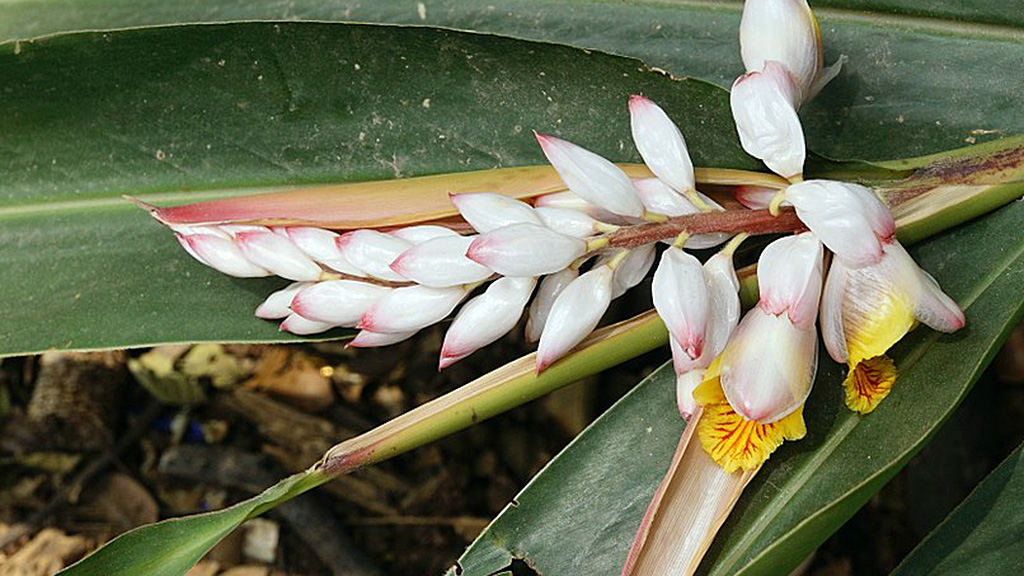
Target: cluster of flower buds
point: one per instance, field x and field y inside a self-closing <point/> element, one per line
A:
<point x="554" y="259"/>
<point x="391" y="283"/>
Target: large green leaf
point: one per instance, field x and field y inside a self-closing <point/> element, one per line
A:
<point x="582" y="510"/>
<point x="922" y="76"/>
<point x="983" y="535"/>
<point x="90" y="116"/>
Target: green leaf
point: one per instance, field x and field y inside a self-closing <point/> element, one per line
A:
<point x="922" y="76"/>
<point x="91" y="116"/>
<point x="584" y="507"/>
<point x="983" y="534"/>
<point x="171" y="547"/>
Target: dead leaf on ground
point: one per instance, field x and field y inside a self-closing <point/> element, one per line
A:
<point x="45" y="554"/>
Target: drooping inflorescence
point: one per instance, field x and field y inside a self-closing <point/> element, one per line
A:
<point x="558" y="259"/>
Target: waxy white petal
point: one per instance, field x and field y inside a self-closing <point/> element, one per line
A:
<point x="338" y="302"/>
<point x="525" y="250"/>
<point x="569" y="222"/>
<point x="222" y="255"/>
<point x="632" y="269"/>
<point x="784" y="31"/>
<point x="486" y="211"/>
<point x="296" y="324"/>
<point x="659" y="198"/>
<point x="440" y="262"/>
<point x="766" y="120"/>
<point x="321" y="246"/>
<point x="685" y="385"/>
<point x="486" y="318"/>
<point x="278" y="304"/>
<point x="681" y="298"/>
<point x="367" y="339"/>
<point x="373" y="252"/>
<point x="833" y="332"/>
<point x="592" y="177"/>
<point x="410" y="308"/>
<point x="768" y="366"/>
<point x="574" y="315"/>
<point x="789" y="277"/>
<point x="848" y="218"/>
<point x="550" y="287"/>
<point x="723" y="291"/>
<point x="277" y="254"/>
<point x="422" y="233"/>
<point x="661" y="144"/>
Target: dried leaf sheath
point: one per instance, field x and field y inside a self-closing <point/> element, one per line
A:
<point x="386" y="203"/>
<point x="689" y="506"/>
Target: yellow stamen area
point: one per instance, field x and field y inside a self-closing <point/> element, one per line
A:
<point x="868" y="383"/>
<point x="731" y="440"/>
<point x="870" y="335"/>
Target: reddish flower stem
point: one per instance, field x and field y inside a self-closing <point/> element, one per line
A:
<point x="752" y="222"/>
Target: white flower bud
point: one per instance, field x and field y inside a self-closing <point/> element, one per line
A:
<point x="296" y="324"/>
<point x="440" y="262"/>
<point x="574" y="315"/>
<point x="787" y="32"/>
<point x="661" y="144"/>
<point x="571" y="201"/>
<point x="222" y="255"/>
<point x="367" y="339"/>
<point x="764" y="108"/>
<point x="486" y="318"/>
<point x="421" y="233"/>
<point x="277" y="254"/>
<point x="755" y="197"/>
<point x="337" y="302"/>
<point x="372" y="252"/>
<point x="550" y="287"/>
<point x="278" y="304"/>
<point x="321" y="246"/>
<point x="681" y="299"/>
<point x="410" y="308"/>
<point x="590" y="176"/>
<point x="569" y="222"/>
<point x="686" y="383"/>
<point x="486" y="211"/>
<point x="848" y="218"/>
<point x="525" y="250"/>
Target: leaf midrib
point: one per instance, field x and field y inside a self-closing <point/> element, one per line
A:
<point x="782" y="499"/>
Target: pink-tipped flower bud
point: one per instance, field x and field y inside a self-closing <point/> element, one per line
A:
<point x="755" y="197"/>
<point x="574" y="315"/>
<point x="486" y="211"/>
<point x="410" y="308"/>
<point x="277" y="254"/>
<point x="440" y="263"/>
<point x="789" y="278"/>
<point x="321" y="246"/>
<point x="373" y="252"/>
<point x="422" y="233"/>
<point x="486" y="318"/>
<point x="571" y="201"/>
<point x="764" y="108"/>
<point x="278" y="305"/>
<point x="590" y="176"/>
<point x="525" y="250"/>
<point x="661" y="144"/>
<point x="681" y="299"/>
<point x="550" y="287"/>
<point x="337" y="302"/>
<point x="848" y="218"/>
<point x="221" y="254"/>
